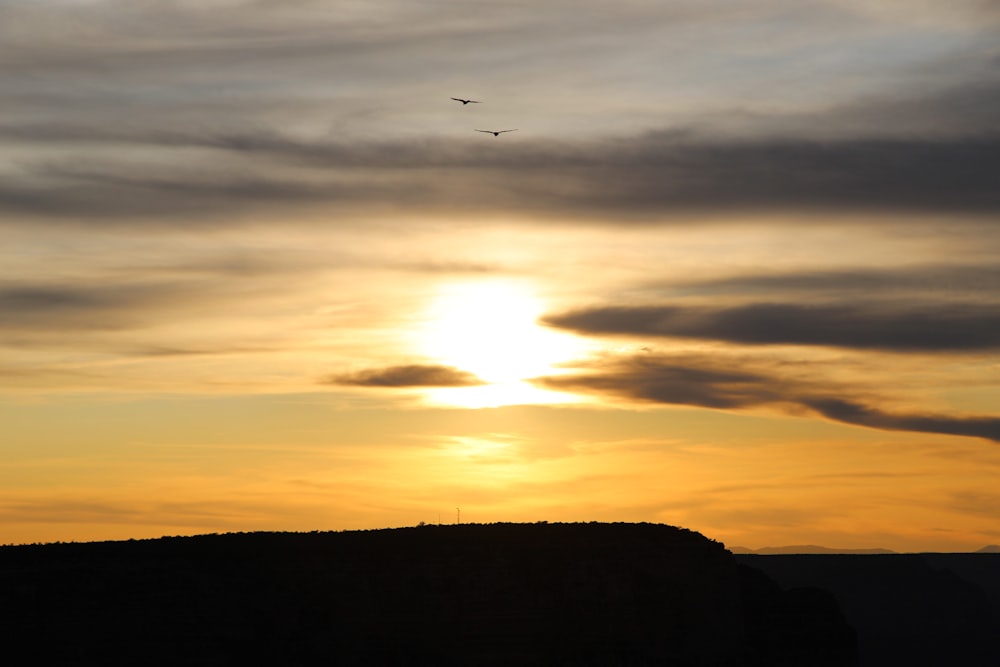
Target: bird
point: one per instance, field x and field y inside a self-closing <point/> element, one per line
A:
<point x="497" y="133"/>
<point x="464" y="102"/>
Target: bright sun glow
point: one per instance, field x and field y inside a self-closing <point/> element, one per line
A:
<point x="491" y="329"/>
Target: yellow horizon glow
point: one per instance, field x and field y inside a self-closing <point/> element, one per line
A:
<point x="206" y="412"/>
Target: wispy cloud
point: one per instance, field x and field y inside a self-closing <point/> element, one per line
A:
<point x="954" y="281"/>
<point x="709" y="383"/>
<point x="410" y="375"/>
<point x="60" y="306"/>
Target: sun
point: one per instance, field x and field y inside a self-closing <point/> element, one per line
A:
<point x="490" y="329"/>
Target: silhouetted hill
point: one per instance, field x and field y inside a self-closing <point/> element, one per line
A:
<point x="908" y="609"/>
<point x="989" y="549"/>
<point x="501" y="594"/>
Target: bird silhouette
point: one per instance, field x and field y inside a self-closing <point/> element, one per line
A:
<point x="496" y="133"/>
<point x="464" y="102"/>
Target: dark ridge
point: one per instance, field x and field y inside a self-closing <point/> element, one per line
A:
<point x="499" y="594"/>
<point x="907" y="609"/>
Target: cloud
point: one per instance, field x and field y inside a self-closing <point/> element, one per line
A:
<point x="968" y="109"/>
<point x="647" y="177"/>
<point x="972" y="502"/>
<point x="115" y="193"/>
<point x="945" y="279"/>
<point x="410" y="375"/>
<point x="673" y="383"/>
<point x="851" y="412"/>
<point x="904" y="175"/>
<point x="137" y="318"/>
<point x="703" y="382"/>
<point x="934" y="327"/>
<point x="228" y="107"/>
<point x="61" y="307"/>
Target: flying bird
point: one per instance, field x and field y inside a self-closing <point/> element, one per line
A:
<point x="497" y="133"/>
<point x="464" y="102"/>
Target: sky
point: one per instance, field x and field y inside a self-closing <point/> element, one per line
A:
<point x="736" y="270"/>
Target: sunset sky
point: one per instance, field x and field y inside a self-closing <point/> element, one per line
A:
<point x="737" y="270"/>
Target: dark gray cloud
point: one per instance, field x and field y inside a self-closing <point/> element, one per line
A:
<point x="647" y="177"/>
<point x="925" y="327"/>
<point x="851" y="412"/>
<point x="970" y="109"/>
<point x="410" y="375"/>
<point x="903" y="175"/>
<point x="708" y="383"/>
<point x="667" y="381"/>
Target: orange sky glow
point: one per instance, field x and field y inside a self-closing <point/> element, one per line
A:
<point x="736" y="271"/>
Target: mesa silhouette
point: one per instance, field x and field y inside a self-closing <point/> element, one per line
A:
<point x="498" y="594"/>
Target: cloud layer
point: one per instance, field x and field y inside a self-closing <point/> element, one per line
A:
<point x="932" y="318"/>
<point x="924" y="327"/>
<point x="232" y="109"/>
<point x="708" y="383"/>
<point x="645" y="177"/>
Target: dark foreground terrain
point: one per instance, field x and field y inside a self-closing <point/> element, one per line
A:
<point x="501" y="594"/>
<point x="918" y="610"/>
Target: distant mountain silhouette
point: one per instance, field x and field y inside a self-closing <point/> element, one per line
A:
<point x="499" y="594"/>
<point x="989" y="549"/>
<point x="741" y="550"/>
<point x="807" y="549"/>
<point x="918" y="610"/>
